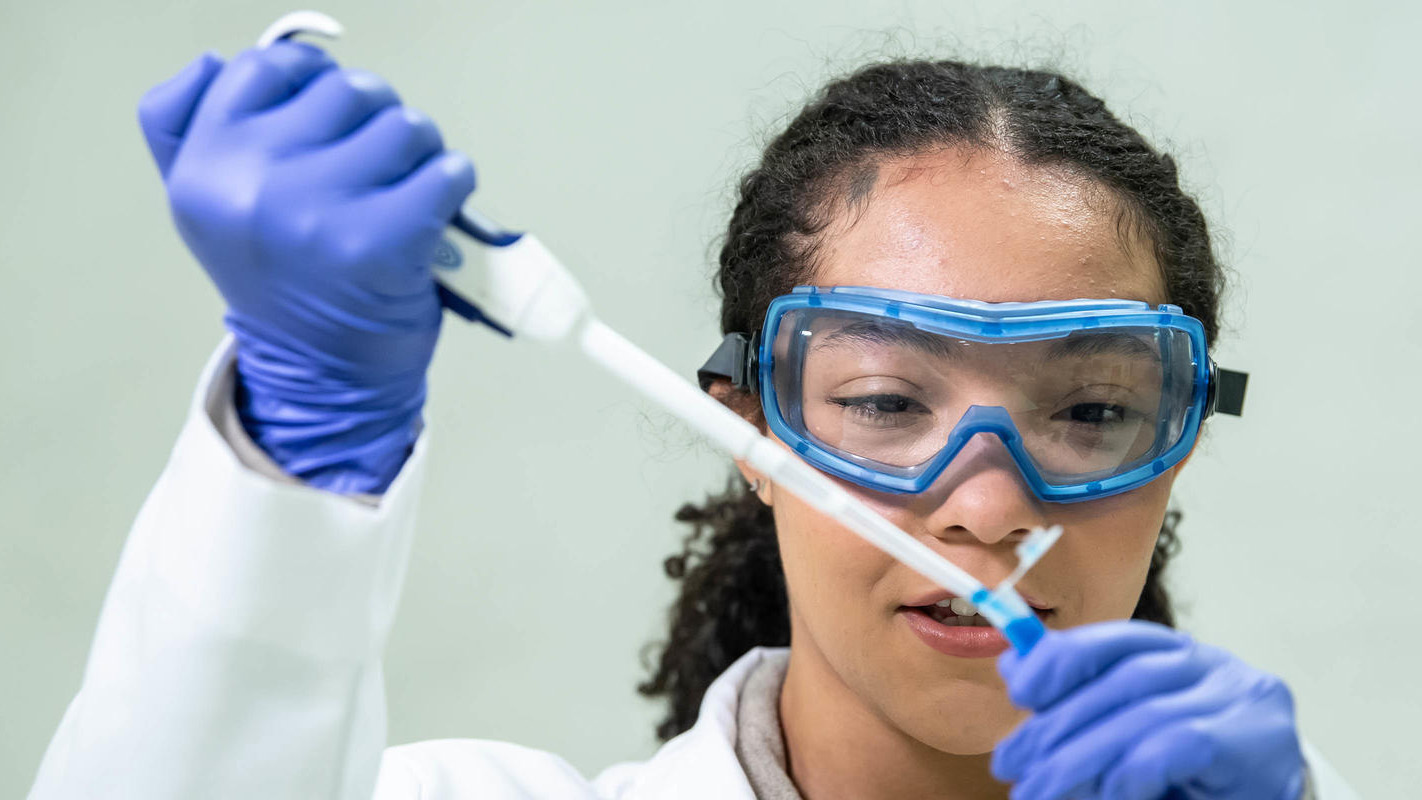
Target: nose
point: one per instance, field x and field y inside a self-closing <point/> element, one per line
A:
<point x="982" y="494"/>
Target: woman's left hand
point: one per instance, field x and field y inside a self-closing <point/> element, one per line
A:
<point x="1132" y="710"/>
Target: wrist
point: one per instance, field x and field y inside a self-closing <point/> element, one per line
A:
<point x="333" y="432"/>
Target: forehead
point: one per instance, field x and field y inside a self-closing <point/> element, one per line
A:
<point x="980" y="225"/>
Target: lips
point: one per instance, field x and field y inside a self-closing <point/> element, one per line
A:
<point x="942" y="628"/>
<point x="962" y="641"/>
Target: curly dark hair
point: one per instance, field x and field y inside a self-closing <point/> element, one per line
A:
<point x="733" y="594"/>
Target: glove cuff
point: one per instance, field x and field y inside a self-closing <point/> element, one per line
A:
<point x="327" y="432"/>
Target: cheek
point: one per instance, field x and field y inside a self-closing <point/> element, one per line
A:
<point x="830" y="572"/>
<point x="1099" y="567"/>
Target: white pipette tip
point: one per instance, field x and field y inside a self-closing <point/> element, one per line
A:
<point x="1030" y="550"/>
<point x="313" y="22"/>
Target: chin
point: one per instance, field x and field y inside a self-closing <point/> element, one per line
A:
<point x="963" y="718"/>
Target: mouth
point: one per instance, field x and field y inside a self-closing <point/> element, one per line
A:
<point x="949" y="609"/>
<point x="955" y="615"/>
<point x="953" y="626"/>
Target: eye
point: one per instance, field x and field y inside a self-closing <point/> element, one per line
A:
<point x="880" y="408"/>
<point x="1094" y="414"/>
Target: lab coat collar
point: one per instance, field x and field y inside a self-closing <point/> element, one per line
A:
<point x="701" y="763"/>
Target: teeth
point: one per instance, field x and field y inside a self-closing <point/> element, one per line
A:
<point x="962" y="607"/>
<point x="944" y="603"/>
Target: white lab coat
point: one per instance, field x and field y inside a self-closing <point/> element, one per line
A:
<point x="238" y="655"/>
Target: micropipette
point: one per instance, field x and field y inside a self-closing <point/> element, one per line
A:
<point x="521" y="289"/>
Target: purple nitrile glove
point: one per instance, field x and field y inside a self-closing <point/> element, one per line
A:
<point x="1131" y="710"/>
<point x="314" y="200"/>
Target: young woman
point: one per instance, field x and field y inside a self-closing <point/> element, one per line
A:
<point x="238" y="654"/>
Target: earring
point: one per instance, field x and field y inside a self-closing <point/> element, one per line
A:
<point x="756" y="485"/>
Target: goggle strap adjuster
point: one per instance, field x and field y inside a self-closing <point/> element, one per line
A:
<point x="1226" y="393"/>
<point x="736" y="358"/>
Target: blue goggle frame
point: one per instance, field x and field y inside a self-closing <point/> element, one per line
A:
<point x="982" y="321"/>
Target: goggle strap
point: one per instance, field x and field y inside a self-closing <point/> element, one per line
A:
<point x="735" y="359"/>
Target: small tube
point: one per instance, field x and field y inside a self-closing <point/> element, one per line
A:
<point x="1005" y="608"/>
<point x="1008" y="612"/>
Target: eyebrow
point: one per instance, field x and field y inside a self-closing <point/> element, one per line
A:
<point x="875" y="332"/>
<point x="1102" y="343"/>
<point x="1098" y="342"/>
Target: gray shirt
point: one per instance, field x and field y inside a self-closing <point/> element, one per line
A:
<point x="760" y="743"/>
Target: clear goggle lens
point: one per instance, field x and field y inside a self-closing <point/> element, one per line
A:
<point x="886" y="394"/>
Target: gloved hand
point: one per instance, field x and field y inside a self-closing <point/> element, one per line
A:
<point x="1131" y="710"/>
<point x="315" y="201"/>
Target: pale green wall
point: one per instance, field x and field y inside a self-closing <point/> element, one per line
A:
<point x="616" y="131"/>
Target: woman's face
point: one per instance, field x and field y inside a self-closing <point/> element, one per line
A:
<point x="981" y="226"/>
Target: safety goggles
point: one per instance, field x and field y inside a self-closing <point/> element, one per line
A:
<point x="884" y="388"/>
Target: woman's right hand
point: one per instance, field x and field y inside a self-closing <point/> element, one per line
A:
<point x="314" y="200"/>
<point x="1132" y="710"/>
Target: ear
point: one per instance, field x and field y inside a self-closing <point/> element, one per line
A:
<point x="745" y="405"/>
<point x="758" y="482"/>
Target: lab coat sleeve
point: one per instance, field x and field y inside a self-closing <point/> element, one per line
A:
<point x="238" y="650"/>
<point x="1325" y="782"/>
